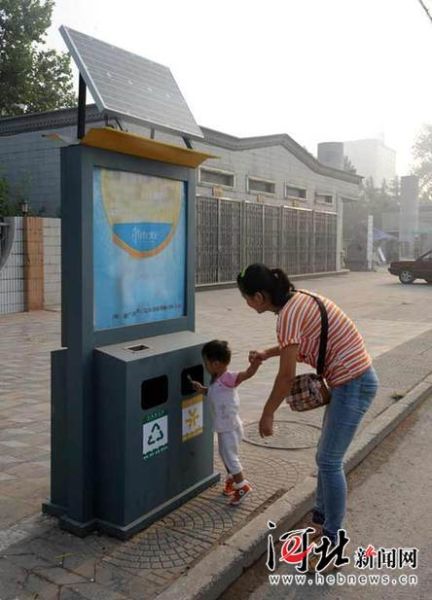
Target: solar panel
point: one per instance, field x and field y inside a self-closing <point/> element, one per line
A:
<point x="126" y="85"/>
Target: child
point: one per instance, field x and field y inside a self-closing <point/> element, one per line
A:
<point x="224" y="405"/>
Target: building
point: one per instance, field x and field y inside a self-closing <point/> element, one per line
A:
<point x="271" y="169"/>
<point x="423" y="233"/>
<point x="372" y="159"/>
<point x="261" y="199"/>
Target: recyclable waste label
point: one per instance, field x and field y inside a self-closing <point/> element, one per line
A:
<point x="155" y="434"/>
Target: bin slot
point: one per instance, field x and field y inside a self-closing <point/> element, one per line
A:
<point x="154" y="392"/>
<point x="137" y="348"/>
<point x="196" y="373"/>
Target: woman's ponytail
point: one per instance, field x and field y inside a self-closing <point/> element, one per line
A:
<point x="274" y="282"/>
<point x="283" y="287"/>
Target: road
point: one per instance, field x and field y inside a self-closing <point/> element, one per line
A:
<point x="386" y="312"/>
<point x="389" y="506"/>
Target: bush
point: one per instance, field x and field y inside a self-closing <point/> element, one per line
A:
<point x="7" y="207"/>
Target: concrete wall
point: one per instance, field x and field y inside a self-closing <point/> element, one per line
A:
<point x="275" y="163"/>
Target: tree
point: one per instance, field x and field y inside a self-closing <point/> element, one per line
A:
<point x="348" y="166"/>
<point x="422" y="152"/>
<point x="7" y="208"/>
<point x="395" y="189"/>
<point x="32" y="78"/>
<point x="379" y="200"/>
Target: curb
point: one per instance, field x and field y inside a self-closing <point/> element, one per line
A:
<point x="212" y="575"/>
<point x="205" y="287"/>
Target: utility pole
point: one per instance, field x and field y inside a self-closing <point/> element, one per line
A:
<point x="426" y="9"/>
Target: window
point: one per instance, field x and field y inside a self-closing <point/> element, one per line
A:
<point x="324" y="199"/>
<point x="295" y="192"/>
<point x="217" y="177"/>
<point x="262" y="186"/>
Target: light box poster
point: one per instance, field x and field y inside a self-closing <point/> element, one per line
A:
<point x="139" y="248"/>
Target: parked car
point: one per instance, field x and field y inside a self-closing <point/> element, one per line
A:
<point x="410" y="270"/>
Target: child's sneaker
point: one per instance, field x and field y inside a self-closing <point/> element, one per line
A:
<point x="228" y="487"/>
<point x="240" y="494"/>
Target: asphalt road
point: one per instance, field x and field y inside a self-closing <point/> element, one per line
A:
<point x="389" y="506"/>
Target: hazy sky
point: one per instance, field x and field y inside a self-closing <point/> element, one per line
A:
<point x="319" y="70"/>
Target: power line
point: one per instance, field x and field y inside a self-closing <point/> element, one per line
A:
<point x="426" y="10"/>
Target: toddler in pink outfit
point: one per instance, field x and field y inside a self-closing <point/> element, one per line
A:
<point x="224" y="404"/>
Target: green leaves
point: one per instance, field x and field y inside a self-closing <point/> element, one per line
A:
<point x="7" y="209"/>
<point x="32" y="78"/>
<point x="422" y="152"/>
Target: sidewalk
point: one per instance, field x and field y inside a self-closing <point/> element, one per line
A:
<point x="38" y="560"/>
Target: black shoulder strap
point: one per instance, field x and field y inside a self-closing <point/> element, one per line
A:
<point x="324" y="333"/>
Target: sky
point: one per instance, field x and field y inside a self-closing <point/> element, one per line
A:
<point x="318" y="70"/>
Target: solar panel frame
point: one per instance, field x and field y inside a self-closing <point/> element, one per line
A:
<point x="162" y="103"/>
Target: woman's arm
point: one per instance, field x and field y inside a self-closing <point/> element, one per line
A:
<point x="281" y="388"/>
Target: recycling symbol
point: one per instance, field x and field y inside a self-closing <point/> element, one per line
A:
<point x="155" y="430"/>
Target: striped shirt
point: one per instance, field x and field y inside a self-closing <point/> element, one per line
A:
<point x="299" y="322"/>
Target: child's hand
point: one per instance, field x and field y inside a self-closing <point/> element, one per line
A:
<point x="256" y="362"/>
<point x="254" y="365"/>
<point x="198" y="387"/>
<point x="256" y="355"/>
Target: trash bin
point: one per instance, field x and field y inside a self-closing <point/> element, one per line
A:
<point x="154" y="435"/>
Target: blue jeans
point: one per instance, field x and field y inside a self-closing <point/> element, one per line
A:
<point x="342" y="416"/>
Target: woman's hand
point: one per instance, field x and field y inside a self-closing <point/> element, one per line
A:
<point x="266" y="425"/>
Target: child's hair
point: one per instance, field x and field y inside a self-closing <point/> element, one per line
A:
<point x="217" y="350"/>
<point x="259" y="278"/>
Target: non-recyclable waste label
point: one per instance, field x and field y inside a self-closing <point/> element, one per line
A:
<point x="192" y="410"/>
<point x="155" y="434"/>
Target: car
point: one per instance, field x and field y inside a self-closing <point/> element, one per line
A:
<point x="410" y="270"/>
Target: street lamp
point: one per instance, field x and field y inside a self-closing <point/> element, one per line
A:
<point x="24" y="208"/>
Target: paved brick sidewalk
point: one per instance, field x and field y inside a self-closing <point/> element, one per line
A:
<point x="38" y="560"/>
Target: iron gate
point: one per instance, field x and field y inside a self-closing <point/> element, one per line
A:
<point x="232" y="234"/>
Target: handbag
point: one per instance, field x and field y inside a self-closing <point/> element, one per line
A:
<point x="310" y="390"/>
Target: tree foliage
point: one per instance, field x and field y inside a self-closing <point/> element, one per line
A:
<point x="380" y="200"/>
<point x="32" y="77"/>
<point x="348" y="166"/>
<point x="7" y="208"/>
<point x="422" y="151"/>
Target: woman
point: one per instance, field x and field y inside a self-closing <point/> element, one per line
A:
<point x="348" y="371"/>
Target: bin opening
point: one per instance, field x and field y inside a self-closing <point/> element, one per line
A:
<point x="196" y="374"/>
<point x="137" y="348"/>
<point x="154" y="392"/>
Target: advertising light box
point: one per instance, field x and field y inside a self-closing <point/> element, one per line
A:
<point x="139" y="248"/>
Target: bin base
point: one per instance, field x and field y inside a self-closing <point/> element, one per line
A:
<point x="126" y="531"/>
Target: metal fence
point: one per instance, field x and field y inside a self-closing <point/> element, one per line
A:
<point x="5" y="241"/>
<point x="232" y="234"/>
